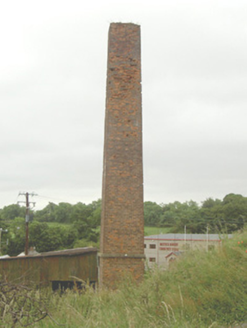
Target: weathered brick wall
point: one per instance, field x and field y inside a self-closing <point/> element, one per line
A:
<point x="122" y="227"/>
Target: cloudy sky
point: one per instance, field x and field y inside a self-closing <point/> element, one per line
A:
<point x="52" y="97"/>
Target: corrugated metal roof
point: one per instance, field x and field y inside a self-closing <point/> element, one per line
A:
<point x="68" y="252"/>
<point x="65" y="252"/>
<point x="181" y="236"/>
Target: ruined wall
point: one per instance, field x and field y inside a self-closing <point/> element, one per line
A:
<point x="122" y="224"/>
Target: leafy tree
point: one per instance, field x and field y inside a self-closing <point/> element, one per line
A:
<point x="86" y="218"/>
<point x="152" y="213"/>
<point x="82" y="228"/>
<point x="85" y="243"/>
<point x="212" y="214"/>
<point x="81" y="212"/>
<point x="10" y="212"/>
<point x="94" y="219"/>
<point x="227" y="215"/>
<point x="235" y="211"/>
<point x="47" y="214"/>
<point x="95" y="216"/>
<point x="67" y="213"/>
<point x="46" y="238"/>
<point x="95" y="204"/>
<point x="178" y="215"/>
<point x="63" y="213"/>
<point x="5" y="235"/>
<point x="38" y="232"/>
<point x="70" y="235"/>
<point x="17" y="232"/>
<point x="52" y="241"/>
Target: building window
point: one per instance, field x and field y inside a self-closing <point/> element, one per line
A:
<point x="144" y="245"/>
<point x="153" y="246"/>
<point x="152" y="259"/>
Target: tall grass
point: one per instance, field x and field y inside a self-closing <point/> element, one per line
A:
<point x="199" y="290"/>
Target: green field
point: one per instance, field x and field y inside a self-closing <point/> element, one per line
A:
<point x="147" y="230"/>
<point x="155" y="230"/>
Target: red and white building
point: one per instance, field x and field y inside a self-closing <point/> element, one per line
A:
<point x="163" y="248"/>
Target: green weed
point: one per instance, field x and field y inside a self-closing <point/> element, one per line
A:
<point x="200" y="290"/>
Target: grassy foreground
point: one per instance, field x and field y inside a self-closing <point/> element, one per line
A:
<point x="199" y="290"/>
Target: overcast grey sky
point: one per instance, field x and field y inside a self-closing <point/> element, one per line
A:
<point x="52" y="97"/>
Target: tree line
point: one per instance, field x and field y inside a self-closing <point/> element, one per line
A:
<point x="55" y="227"/>
<point x="213" y="215"/>
<point x="61" y="226"/>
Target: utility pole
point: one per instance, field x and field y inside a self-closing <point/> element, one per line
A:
<point x="27" y="202"/>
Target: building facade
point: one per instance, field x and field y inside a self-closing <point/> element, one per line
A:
<point x="163" y="248"/>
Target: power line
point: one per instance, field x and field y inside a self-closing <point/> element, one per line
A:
<point x="54" y="198"/>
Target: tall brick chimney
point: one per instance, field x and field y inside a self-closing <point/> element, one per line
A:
<point x="122" y="223"/>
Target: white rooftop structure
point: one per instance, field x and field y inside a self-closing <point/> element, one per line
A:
<point x="188" y="236"/>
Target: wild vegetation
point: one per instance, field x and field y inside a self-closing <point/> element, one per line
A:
<point x="201" y="289"/>
<point x="61" y="226"/>
<point x="21" y="305"/>
<point x="52" y="228"/>
<point x="229" y="214"/>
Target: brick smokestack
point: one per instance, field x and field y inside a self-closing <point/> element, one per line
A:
<point x="122" y="223"/>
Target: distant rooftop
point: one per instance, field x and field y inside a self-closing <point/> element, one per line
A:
<point x="177" y="253"/>
<point x="64" y="252"/>
<point x="189" y="236"/>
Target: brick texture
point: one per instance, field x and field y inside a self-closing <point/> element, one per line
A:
<point x="122" y="224"/>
